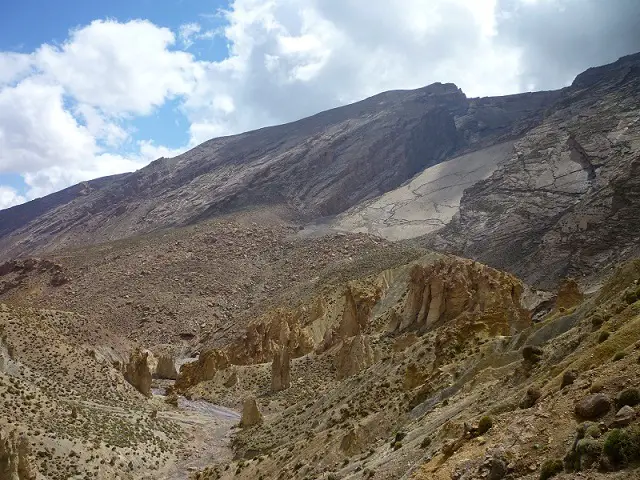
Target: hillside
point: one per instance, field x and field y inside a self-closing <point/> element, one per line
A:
<point x="416" y="286"/>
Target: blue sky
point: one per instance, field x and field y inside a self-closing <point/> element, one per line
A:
<point x="94" y="88"/>
<point x="26" y="24"/>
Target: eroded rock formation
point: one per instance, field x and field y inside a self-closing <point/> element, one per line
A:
<point x="281" y="369"/>
<point x="452" y="288"/>
<point x="14" y="458"/>
<point x="138" y="373"/>
<point x="166" y="367"/>
<point x="250" y="413"/>
<point x="201" y="370"/>
<point x="354" y="355"/>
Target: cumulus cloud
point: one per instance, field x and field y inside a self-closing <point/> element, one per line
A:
<point x="66" y="110"/>
<point x="120" y="67"/>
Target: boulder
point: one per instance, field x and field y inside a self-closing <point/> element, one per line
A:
<point x="624" y="417"/>
<point x="530" y="397"/>
<point x="593" y="406"/>
<point x="532" y="354"/>
<point x="568" y="378"/>
<point x="250" y="413"/>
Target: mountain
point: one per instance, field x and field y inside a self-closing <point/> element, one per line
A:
<point x="234" y="313"/>
<point x="309" y="169"/>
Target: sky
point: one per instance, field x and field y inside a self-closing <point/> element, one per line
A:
<point x="89" y="89"/>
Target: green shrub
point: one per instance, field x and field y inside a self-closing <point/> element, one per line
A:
<point x="397" y="445"/>
<point x="484" y="425"/>
<point x="622" y="446"/>
<point x="604" y="335"/>
<point x="630" y="396"/>
<point x="550" y="468"/>
<point x="596" y="321"/>
<point x="400" y="436"/>
<point x="632" y="295"/>
<point x="425" y="443"/>
<point x="619" y="356"/>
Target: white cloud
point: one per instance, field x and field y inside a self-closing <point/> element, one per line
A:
<point x="9" y="197"/>
<point x="13" y="66"/>
<point x="120" y="67"/>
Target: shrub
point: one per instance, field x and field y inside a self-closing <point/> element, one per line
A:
<point x="484" y="425"/>
<point x="630" y="396"/>
<point x="619" y="356"/>
<point x="550" y="468"/>
<point x="632" y="295"/>
<point x="604" y="335"/>
<point x="622" y="446"/>
<point x="397" y="445"/>
<point x="597" y="320"/>
<point x="425" y="443"/>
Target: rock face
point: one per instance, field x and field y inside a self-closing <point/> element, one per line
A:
<point x="14" y="458"/>
<point x="250" y="413"/>
<point x="565" y="202"/>
<point x="138" y="373"/>
<point x="593" y="406"/>
<point x="569" y="294"/>
<point x="281" y="369"/>
<point x="201" y="370"/>
<point x="354" y="355"/>
<point x="166" y="367"/>
<point x="264" y="337"/>
<point x="445" y="290"/>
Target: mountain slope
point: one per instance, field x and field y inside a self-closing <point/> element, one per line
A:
<point x="311" y="168"/>
<point x="566" y="201"/>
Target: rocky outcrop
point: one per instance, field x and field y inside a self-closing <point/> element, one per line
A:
<point x="250" y="413"/>
<point x="201" y="370"/>
<point x="354" y="355"/>
<point x="569" y="294"/>
<point x="565" y="202"/>
<point x="138" y="373"/>
<point x="15" y="463"/>
<point x="265" y="336"/>
<point x="359" y="299"/>
<point x="452" y="288"/>
<point x="166" y="367"/>
<point x="281" y="369"/>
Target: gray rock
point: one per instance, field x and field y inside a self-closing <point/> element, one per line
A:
<point x="593" y="406"/>
<point x="624" y="417"/>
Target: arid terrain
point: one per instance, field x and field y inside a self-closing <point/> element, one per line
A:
<point x="419" y="286"/>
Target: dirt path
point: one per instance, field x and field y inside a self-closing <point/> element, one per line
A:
<point x="208" y="428"/>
